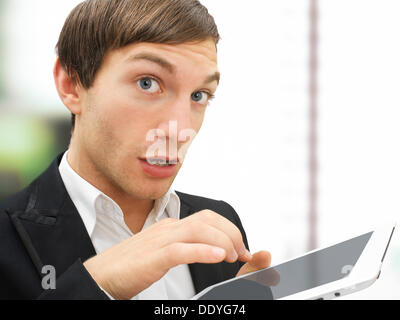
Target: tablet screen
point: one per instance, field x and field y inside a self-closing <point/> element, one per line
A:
<point x="306" y="272"/>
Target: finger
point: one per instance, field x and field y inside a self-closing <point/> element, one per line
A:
<point x="192" y="231"/>
<point x="187" y="253"/>
<point x="232" y="231"/>
<point x="260" y="260"/>
<point x="169" y="231"/>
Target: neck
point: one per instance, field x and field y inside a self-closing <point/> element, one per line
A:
<point x="135" y="210"/>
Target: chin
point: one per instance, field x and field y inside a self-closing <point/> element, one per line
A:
<point x="150" y="190"/>
<point x="134" y="182"/>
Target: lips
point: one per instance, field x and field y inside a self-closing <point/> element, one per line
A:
<point x="159" y="167"/>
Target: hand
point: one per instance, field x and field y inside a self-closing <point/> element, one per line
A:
<point x="135" y="264"/>
<point x="258" y="261"/>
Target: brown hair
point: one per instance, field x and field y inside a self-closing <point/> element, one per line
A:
<point x="95" y="27"/>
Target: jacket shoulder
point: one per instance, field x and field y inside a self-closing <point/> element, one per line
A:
<point x="14" y="203"/>
<point x="17" y="201"/>
<point x="196" y="201"/>
<point x="199" y="203"/>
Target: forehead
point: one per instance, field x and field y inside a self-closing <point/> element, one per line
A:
<point x="203" y="53"/>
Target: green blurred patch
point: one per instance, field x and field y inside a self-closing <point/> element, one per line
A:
<point x="27" y="145"/>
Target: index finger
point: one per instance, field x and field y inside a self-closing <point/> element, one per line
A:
<point x="226" y="226"/>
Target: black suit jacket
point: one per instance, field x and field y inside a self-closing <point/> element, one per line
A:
<point x="40" y="226"/>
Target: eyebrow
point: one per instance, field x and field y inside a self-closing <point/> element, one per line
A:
<point x="153" y="58"/>
<point x="167" y="65"/>
<point x="215" y="77"/>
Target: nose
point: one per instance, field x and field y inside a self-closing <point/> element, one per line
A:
<point x="177" y="122"/>
<point x="177" y="125"/>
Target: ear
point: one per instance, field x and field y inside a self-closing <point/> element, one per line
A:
<point x="70" y="93"/>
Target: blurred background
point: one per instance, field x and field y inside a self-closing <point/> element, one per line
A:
<point x="301" y="138"/>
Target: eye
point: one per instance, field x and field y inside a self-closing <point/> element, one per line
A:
<point x="149" y="85"/>
<point x="201" y="97"/>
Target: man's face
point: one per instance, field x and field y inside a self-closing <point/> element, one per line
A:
<point x="141" y="91"/>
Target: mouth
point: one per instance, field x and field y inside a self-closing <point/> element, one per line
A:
<point x="159" y="167"/>
<point x="161" y="162"/>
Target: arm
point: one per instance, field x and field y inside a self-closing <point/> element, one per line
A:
<point x="75" y="284"/>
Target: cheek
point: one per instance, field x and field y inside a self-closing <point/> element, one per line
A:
<point x="123" y="122"/>
<point x="198" y="119"/>
<point x="134" y="125"/>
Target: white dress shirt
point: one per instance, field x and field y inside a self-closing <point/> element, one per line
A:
<point x="104" y="222"/>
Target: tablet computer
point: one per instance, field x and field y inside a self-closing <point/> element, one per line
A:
<point x="325" y="273"/>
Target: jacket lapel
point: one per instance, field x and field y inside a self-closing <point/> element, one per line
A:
<point x="50" y="227"/>
<point x="203" y="275"/>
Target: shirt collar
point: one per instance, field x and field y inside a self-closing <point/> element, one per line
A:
<point x="81" y="192"/>
<point x="86" y="197"/>
<point x="174" y="205"/>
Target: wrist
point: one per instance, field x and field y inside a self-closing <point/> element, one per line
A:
<point x="103" y="277"/>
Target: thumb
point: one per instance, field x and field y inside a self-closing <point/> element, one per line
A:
<point x="260" y="260"/>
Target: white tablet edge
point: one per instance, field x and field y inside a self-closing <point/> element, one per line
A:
<point x="362" y="275"/>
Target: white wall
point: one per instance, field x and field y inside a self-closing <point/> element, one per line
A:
<point x="31" y="34"/>
<point x="359" y="125"/>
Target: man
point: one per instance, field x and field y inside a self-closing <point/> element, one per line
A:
<point x="137" y="76"/>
